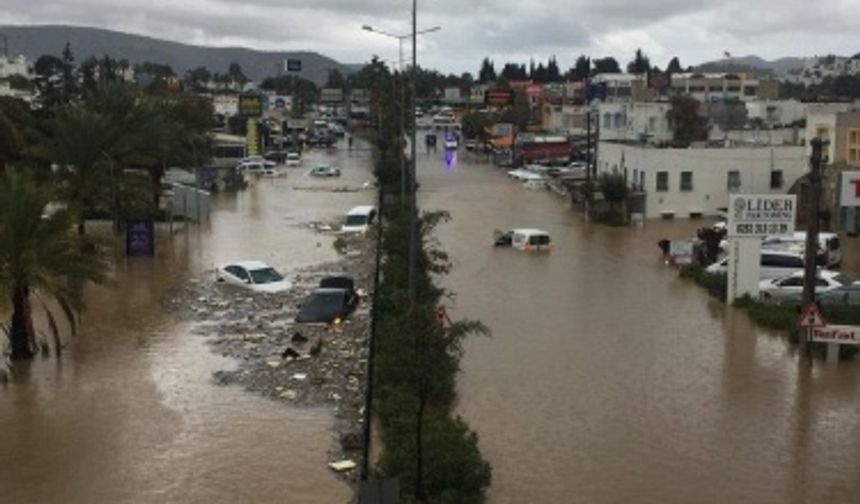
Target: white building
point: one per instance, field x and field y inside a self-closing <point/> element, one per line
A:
<point x="776" y="112"/>
<point x="226" y="105"/>
<point x="635" y="122"/>
<point x="14" y="66"/>
<point x="818" y="68"/>
<point x="695" y="182"/>
<point x="566" y="119"/>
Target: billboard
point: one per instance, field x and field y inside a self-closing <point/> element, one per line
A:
<point x="250" y="105"/>
<point x="139" y="237"/>
<point x="759" y="215"/>
<point x="498" y="97"/>
<point x="850" y="192"/>
<point x="280" y="103"/>
<point x="331" y="95"/>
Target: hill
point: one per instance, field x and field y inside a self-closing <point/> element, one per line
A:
<point x="34" y="41"/>
<point x="754" y="64"/>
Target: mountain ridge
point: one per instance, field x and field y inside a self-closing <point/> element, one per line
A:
<point x="36" y="40"/>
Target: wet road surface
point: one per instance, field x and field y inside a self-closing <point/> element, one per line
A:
<point x="609" y="379"/>
<point x="131" y="413"/>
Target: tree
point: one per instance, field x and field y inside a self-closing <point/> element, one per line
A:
<point x="235" y="73"/>
<point x="640" y="64"/>
<point x="606" y="65"/>
<point x="198" y="77"/>
<point x="674" y="66"/>
<point x="687" y="123"/>
<point x="38" y="254"/>
<point x="614" y="188"/>
<point x="10" y="141"/>
<point x="335" y="79"/>
<point x="581" y="69"/>
<point x="70" y="85"/>
<point x="487" y="73"/>
<point x="553" y="74"/>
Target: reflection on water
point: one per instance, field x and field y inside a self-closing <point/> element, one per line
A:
<point x="609" y="379"/>
<point x="131" y="414"/>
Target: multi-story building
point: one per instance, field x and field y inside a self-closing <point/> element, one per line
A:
<point x="776" y="112"/>
<point x="821" y="119"/>
<point x="635" y="122"/>
<point x="723" y="86"/>
<point x="565" y="119"/>
<point x="697" y="182"/>
<point x="623" y="87"/>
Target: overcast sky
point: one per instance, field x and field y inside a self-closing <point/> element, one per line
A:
<point x="504" y="30"/>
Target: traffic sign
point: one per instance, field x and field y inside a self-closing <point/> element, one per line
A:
<point x="811" y="316"/>
<point x="840" y="334"/>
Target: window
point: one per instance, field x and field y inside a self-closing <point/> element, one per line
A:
<point x="607" y="120"/>
<point x="733" y="180"/>
<point x="792" y="282"/>
<point x="853" y="155"/>
<point x="686" y="181"/>
<point x="750" y="91"/>
<point x="662" y="181"/>
<point x="776" y="180"/>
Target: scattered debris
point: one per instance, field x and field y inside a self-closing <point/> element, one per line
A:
<point x="297" y="364"/>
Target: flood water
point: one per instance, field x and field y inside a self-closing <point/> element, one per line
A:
<point x="131" y="413"/>
<point x="608" y="379"/>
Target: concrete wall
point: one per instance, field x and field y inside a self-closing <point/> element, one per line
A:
<point x="710" y="173"/>
<point x="630" y="121"/>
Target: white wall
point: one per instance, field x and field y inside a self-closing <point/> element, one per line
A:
<point x="628" y="121"/>
<point x="13" y="66"/>
<point x="710" y="168"/>
<point x="776" y="111"/>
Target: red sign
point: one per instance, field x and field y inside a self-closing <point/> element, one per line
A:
<point x="811" y="317"/>
<point x="842" y="334"/>
<point x="442" y="316"/>
<point x="499" y="97"/>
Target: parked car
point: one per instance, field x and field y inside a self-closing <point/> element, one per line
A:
<point x="774" y="264"/>
<point x="829" y="252"/>
<point x="253" y="167"/>
<point x="359" y="219"/>
<point x="254" y="275"/>
<point x="793" y="284"/>
<point x="294" y="159"/>
<point x="523" y="239"/>
<point x="324" y="170"/>
<point x="327" y="306"/>
<point x="535" y="184"/>
<point x="336" y="129"/>
<point x="846" y="297"/>
<point x="471" y="144"/>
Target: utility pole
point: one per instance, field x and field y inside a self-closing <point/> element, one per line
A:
<point x="813" y="192"/>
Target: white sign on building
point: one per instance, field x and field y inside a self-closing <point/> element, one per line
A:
<point x="849" y="195"/>
<point x="759" y="215"/>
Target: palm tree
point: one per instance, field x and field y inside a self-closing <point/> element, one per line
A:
<point x="38" y="253"/>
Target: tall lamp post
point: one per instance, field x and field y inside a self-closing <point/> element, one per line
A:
<point x="400" y="39"/>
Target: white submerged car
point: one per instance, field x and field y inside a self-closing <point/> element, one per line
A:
<point x="324" y="170"/>
<point x="294" y="159"/>
<point x="253" y="275"/>
<point x="793" y="284"/>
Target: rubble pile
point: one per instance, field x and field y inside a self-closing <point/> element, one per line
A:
<point x="298" y="364"/>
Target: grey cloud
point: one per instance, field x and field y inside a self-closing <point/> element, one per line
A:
<point x="502" y="29"/>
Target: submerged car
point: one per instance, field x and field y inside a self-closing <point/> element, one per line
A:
<point x="523" y="239"/>
<point x="294" y="159"/>
<point x="327" y="306"/>
<point x="254" y="275"/>
<point x="324" y="171"/>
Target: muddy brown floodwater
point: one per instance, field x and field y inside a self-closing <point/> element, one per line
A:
<point x="131" y="414"/>
<point x="609" y="379"/>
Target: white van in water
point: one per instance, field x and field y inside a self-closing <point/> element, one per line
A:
<point x="829" y="253"/>
<point x="524" y="239"/>
<point x="359" y="219"/>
